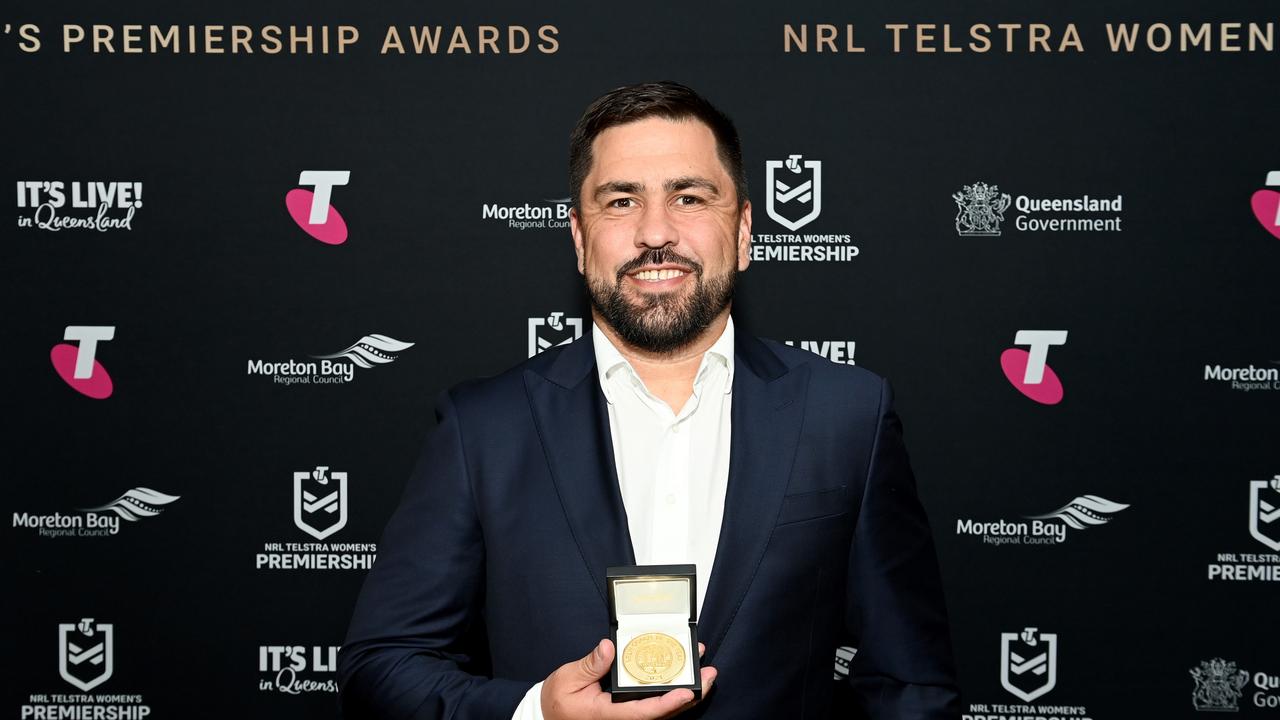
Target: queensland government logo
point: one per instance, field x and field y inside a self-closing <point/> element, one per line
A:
<point x="552" y="331"/>
<point x="1264" y="527"/>
<point x="1082" y="513"/>
<point x="55" y="205"/>
<point x="793" y="199"/>
<point x="1219" y="685"/>
<point x="1028" y="371"/>
<point x="1266" y="204"/>
<point x="312" y="210"/>
<point x="336" y="368"/>
<point x="100" y="521"/>
<point x="320" y="509"/>
<point x="981" y="208"/>
<point x="77" y="364"/>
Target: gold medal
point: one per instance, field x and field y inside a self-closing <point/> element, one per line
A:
<point x="653" y="658"/>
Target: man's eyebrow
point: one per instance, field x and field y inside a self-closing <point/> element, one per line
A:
<point x="625" y="187"/>
<point x="690" y="181"/>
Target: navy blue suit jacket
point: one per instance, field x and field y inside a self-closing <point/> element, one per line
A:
<point x="491" y="573"/>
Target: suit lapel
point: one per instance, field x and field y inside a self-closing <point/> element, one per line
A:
<point x="573" y="426"/>
<point x="768" y="409"/>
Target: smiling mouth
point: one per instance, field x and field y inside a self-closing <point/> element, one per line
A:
<point x="658" y="274"/>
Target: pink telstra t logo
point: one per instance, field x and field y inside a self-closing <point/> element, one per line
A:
<point x="1028" y="371"/>
<point x="312" y="211"/>
<point x="76" y="364"/>
<point x="1266" y="204"/>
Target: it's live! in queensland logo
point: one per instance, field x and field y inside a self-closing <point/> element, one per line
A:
<point x="98" y="205"/>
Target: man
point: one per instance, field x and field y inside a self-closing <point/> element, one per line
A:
<point x="663" y="437"/>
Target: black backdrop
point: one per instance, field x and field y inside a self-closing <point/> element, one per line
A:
<point x="212" y="273"/>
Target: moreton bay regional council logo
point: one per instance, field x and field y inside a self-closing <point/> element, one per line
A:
<point x="85" y="653"/>
<point x="320" y="501"/>
<point x="793" y="199"/>
<point x="1028" y="663"/>
<point x="1219" y="685"/>
<point x="1264" y="511"/>
<point x="981" y="209"/>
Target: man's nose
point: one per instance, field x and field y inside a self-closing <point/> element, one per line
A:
<point x="656" y="229"/>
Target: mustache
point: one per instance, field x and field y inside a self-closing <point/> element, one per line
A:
<point x="659" y="256"/>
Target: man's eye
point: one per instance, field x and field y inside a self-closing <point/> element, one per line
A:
<point x="621" y="203"/>
<point x="688" y="200"/>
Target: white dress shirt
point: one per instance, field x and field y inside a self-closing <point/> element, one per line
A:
<point x="673" y="467"/>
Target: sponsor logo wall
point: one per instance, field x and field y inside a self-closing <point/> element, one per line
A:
<point x="243" y="259"/>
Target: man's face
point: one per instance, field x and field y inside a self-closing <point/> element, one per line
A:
<point x="658" y="232"/>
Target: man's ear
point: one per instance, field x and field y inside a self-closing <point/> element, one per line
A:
<point x="575" y="228"/>
<point x="744" y="237"/>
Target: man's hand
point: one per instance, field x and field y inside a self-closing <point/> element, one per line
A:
<point x="573" y="692"/>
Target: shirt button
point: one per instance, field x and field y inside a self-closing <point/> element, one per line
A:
<point x="671" y="499"/>
<point x="675" y="428"/>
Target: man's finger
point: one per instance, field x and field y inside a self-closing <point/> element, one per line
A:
<point x="652" y="708"/>
<point x="594" y="666"/>
<point x="708" y="679"/>
<point x="702" y="649"/>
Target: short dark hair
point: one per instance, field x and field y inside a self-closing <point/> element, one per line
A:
<point x="669" y="100"/>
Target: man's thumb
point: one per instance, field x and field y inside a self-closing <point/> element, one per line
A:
<point x="597" y="662"/>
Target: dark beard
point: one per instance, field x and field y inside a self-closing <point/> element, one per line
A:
<point x="665" y="322"/>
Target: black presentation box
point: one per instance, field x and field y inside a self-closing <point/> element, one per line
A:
<point x="653" y="599"/>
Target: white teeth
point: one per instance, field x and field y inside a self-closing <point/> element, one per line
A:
<point x="657" y="275"/>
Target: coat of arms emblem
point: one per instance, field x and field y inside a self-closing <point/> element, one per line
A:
<point x="981" y="209"/>
<point x="1218" y="686"/>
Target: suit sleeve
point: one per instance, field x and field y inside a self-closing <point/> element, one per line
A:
<point x="903" y="669"/>
<point x="416" y="646"/>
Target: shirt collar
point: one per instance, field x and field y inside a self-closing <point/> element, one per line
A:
<point x="609" y="360"/>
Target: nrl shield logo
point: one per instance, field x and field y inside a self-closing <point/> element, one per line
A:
<point x="85" y="653"/>
<point x="1264" y="511"/>
<point x="555" y="329"/>
<point x="320" y="501"/>
<point x="1028" y="663"/>
<point x="981" y="209"/>
<point x="794" y="198"/>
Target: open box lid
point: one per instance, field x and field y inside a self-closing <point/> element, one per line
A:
<point x="652" y="589"/>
